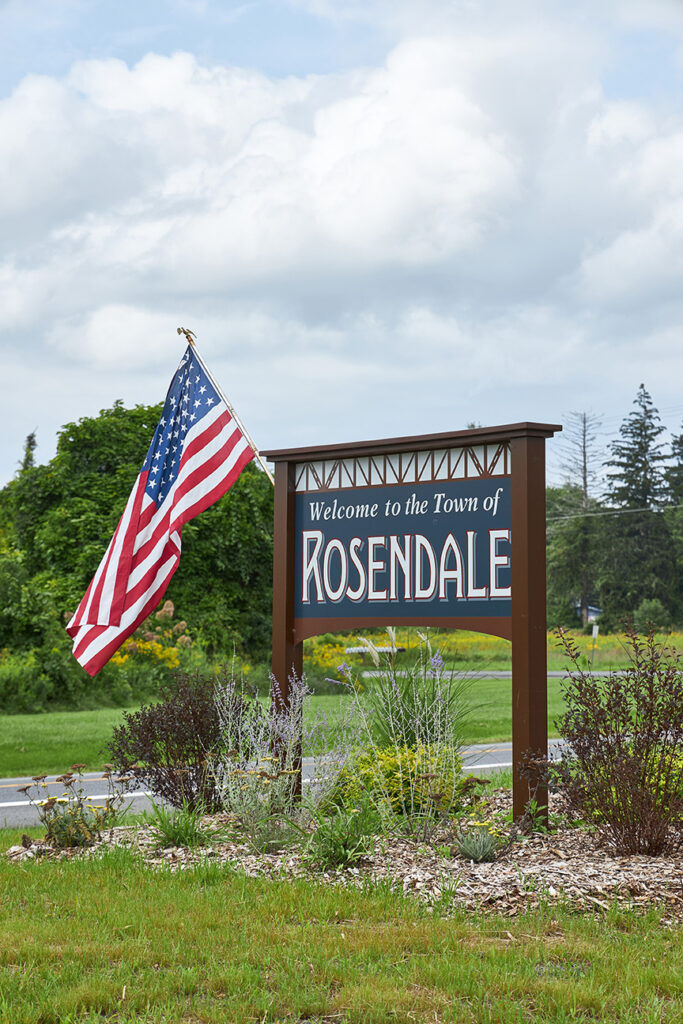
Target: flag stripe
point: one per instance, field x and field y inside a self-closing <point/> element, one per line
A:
<point x="99" y="645"/>
<point x="172" y="518"/>
<point x="110" y="605"/>
<point x="91" y="603"/>
<point x="219" y="482"/>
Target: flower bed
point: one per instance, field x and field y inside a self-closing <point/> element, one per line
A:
<point x="567" y="867"/>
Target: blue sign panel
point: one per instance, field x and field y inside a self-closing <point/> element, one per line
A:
<point x="440" y="549"/>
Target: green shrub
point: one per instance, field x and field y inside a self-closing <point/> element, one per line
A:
<point x="404" y="780"/>
<point x="24" y="687"/>
<point x="651" y="614"/>
<point x="49" y="678"/>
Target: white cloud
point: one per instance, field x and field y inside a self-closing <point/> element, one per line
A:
<point x="115" y="336"/>
<point x="457" y="234"/>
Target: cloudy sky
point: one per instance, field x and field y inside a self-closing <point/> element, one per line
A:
<point x="380" y="217"/>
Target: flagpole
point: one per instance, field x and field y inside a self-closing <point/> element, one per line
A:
<point x="191" y="339"/>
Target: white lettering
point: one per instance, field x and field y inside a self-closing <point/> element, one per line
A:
<point x="448" y="505"/>
<point x="399" y="557"/>
<point x="497" y="562"/>
<point x="445" y="575"/>
<point x="424" y="593"/>
<point x="359" y="593"/>
<point x="311" y="563"/>
<point x="374" y="566"/>
<point x="335" y="593"/>
<point x="473" y="592"/>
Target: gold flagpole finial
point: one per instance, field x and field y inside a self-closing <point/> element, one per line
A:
<point x="190" y="335"/>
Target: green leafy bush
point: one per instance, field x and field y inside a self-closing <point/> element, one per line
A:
<point x="651" y="614"/>
<point x="24" y="687"/>
<point x="404" y="780"/>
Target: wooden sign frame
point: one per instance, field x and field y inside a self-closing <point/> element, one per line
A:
<point x="522" y="446"/>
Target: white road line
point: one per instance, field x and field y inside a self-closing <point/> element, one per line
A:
<point x="102" y="796"/>
<point x="499" y="764"/>
<point x="147" y="792"/>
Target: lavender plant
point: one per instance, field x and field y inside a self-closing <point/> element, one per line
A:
<point x="423" y="703"/>
<point x="257" y="780"/>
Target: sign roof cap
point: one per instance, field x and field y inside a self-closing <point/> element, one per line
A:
<point x="420" y="442"/>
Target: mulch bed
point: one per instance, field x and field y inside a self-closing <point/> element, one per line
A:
<point x="571" y="866"/>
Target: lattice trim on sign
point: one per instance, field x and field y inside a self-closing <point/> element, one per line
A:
<point x="467" y="463"/>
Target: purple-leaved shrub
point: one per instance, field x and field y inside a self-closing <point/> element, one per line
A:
<point x="624" y="766"/>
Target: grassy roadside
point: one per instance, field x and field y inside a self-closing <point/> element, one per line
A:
<point x="463" y="650"/>
<point x="211" y="945"/>
<point x="51" y="742"/>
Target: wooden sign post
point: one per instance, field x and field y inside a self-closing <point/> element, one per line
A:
<point x="437" y="530"/>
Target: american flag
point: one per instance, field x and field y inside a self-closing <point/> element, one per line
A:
<point x="196" y="454"/>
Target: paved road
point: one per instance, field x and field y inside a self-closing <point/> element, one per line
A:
<point x="16" y="811"/>
<point x="498" y="675"/>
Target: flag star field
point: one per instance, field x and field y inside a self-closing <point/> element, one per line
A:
<point x="190" y="397"/>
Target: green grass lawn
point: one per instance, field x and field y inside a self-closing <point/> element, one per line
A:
<point x="52" y="742"/>
<point x="110" y="939"/>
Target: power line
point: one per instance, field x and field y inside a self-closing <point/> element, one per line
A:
<point x="611" y="512"/>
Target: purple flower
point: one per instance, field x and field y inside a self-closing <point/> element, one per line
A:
<point x="344" y="669"/>
<point x="437" y="663"/>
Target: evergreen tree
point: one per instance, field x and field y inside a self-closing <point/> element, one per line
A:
<point x="674" y="473"/>
<point x="674" y="514"/>
<point x="563" y="555"/>
<point x="637" y="561"/>
<point x="30" y="446"/>
<point x="638" y="479"/>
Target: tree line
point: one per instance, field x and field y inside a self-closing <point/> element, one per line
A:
<point x="56" y="520"/>
<point x="615" y="527"/>
<point x="615" y="543"/>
